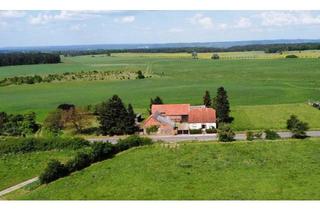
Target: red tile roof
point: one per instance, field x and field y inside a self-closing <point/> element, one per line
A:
<point x="171" y="109"/>
<point x="202" y="115"/>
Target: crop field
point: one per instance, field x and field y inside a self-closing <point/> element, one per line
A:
<point x="262" y="170"/>
<point x="253" y="81"/>
<point x="16" y="168"/>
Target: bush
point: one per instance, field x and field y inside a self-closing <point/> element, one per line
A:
<point x="211" y="130"/>
<point x="270" y="134"/>
<point x="253" y="135"/>
<point x="132" y="141"/>
<point x="250" y="135"/>
<point x="152" y="129"/>
<point x="54" y="171"/>
<point x="297" y="127"/>
<point x="215" y="56"/>
<point x="24" y="145"/>
<point x="102" y="151"/>
<point x="80" y="161"/>
<point x="225" y="133"/>
<point x="195" y="131"/>
<point x="291" y="56"/>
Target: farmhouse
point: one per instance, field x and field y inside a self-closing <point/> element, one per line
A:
<point x="173" y="119"/>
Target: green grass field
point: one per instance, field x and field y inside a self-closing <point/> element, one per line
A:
<point x="16" y="168"/>
<point x="283" y="169"/>
<point x="251" y="83"/>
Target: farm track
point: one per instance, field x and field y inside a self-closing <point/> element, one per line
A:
<point x="18" y="186"/>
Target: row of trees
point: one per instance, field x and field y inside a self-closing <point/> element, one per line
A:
<point x="18" y="125"/>
<point x="9" y="59"/>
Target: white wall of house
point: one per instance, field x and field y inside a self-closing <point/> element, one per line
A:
<point x="199" y="125"/>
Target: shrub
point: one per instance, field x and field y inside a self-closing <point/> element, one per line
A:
<point x="297" y="127"/>
<point x="291" y="56"/>
<point x="152" y="129"/>
<point x="211" y="130"/>
<point x="195" y="131"/>
<point x="54" y="171"/>
<point x="80" y="161"/>
<point x="215" y="56"/>
<point x="132" y="141"/>
<point x="225" y="133"/>
<point x="253" y="135"/>
<point x="270" y="134"/>
<point x="102" y="151"/>
<point x="250" y="135"/>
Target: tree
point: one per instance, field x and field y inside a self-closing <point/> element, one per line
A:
<point x="297" y="127"/>
<point x="53" y="122"/>
<point x="79" y="119"/>
<point x="131" y="127"/>
<point x="113" y="116"/>
<point x="194" y="55"/>
<point x="215" y="56"/>
<point x="225" y="133"/>
<point x="29" y="124"/>
<point x="55" y="169"/>
<point x="207" y="99"/>
<point x="140" y="75"/>
<point x="214" y="103"/>
<point x="270" y="134"/>
<point x="222" y="106"/>
<point x="157" y="100"/>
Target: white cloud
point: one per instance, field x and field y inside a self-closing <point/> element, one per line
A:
<point x="44" y="18"/>
<point x="204" y="21"/>
<point x="222" y="26"/>
<point x="175" y="30"/>
<point x="125" y="19"/>
<point x="11" y="14"/>
<point x="78" y="27"/>
<point x="288" y="18"/>
<point x="243" y="23"/>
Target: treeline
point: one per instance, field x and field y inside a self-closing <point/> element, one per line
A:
<point x="10" y="59"/>
<point x="268" y="48"/>
<point x="72" y="76"/>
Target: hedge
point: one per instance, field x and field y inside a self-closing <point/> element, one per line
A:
<point x="100" y="151"/>
<point x="195" y="131"/>
<point x="24" y="145"/>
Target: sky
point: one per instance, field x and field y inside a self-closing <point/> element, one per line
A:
<point x="50" y="28"/>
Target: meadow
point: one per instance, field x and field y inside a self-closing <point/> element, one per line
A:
<point x="254" y="80"/>
<point x="260" y="170"/>
<point x="16" y="168"/>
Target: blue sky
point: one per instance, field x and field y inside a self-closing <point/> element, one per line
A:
<point x="43" y="28"/>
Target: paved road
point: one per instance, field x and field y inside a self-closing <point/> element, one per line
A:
<point x="18" y="186"/>
<point x="198" y="137"/>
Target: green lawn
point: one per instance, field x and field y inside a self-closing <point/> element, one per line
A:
<point x="261" y="117"/>
<point x="16" y="168"/>
<point x="249" y="82"/>
<point x="283" y="169"/>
